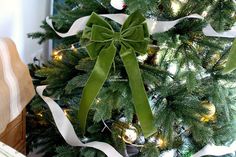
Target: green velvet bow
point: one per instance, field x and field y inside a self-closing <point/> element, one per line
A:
<point x="133" y="37"/>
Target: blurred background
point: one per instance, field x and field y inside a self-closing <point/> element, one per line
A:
<point x="20" y="17"/>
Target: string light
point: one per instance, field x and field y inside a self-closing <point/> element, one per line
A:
<point x="57" y="54"/>
<point x="204" y="13"/>
<point x="175" y="6"/>
<point x="57" y="57"/>
<point x="183" y="1"/>
<point x="233" y="14"/>
<point x="66" y="112"/>
<point x="73" y="48"/>
<point x="40" y="114"/>
<point x="98" y="100"/>
<point x="161" y="143"/>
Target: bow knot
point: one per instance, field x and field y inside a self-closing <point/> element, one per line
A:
<point x="117" y="36"/>
<point x="133" y="37"/>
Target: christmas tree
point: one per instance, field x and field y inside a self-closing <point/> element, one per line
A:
<point x="177" y="82"/>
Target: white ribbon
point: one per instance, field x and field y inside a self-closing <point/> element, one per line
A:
<point x="7" y="151"/>
<point x="154" y="26"/>
<point x="67" y="131"/>
<point x="169" y="153"/>
<point x="212" y="149"/>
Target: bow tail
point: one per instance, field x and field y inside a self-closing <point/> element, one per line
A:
<point x="95" y="82"/>
<point x="139" y="95"/>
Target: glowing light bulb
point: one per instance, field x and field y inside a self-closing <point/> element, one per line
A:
<point x="204" y="13"/>
<point x="175" y="5"/>
<point x="73" y="48"/>
<point x="233" y="14"/>
<point x="40" y="114"/>
<point x="65" y="112"/>
<point x="55" y="53"/>
<point x="183" y="1"/>
<point x="98" y="100"/>
<point x="58" y="57"/>
<point x="161" y="142"/>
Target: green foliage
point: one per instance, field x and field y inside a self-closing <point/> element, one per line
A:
<point x="67" y="13"/>
<point x="144" y="6"/>
<point x="76" y="82"/>
<point x="150" y="150"/>
<point x="201" y="133"/>
<point x="103" y="111"/>
<point x="65" y="151"/>
<point x="91" y="152"/>
<point x="118" y="142"/>
<point x="191" y="81"/>
<point x="112" y="98"/>
<point x="222" y="14"/>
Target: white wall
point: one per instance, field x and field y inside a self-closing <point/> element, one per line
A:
<point x="20" y="17"/>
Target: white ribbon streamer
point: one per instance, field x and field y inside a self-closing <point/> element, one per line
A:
<point x="209" y="31"/>
<point x="7" y="151"/>
<point x="67" y="131"/>
<point x="211" y="149"/>
<point x="154" y="26"/>
<point x="169" y="153"/>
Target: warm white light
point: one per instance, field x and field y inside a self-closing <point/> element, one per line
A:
<point x="173" y="68"/>
<point x="73" y="47"/>
<point x="175" y="5"/>
<point x="40" y="114"/>
<point x="60" y="57"/>
<point x="183" y="1"/>
<point x="204" y="13"/>
<point x="65" y="112"/>
<point x="233" y="14"/>
<point x="55" y="53"/>
<point x="98" y="100"/>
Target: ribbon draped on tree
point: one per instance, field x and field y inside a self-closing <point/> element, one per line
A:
<point x="103" y="42"/>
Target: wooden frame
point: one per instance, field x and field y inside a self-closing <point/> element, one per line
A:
<point x="15" y="133"/>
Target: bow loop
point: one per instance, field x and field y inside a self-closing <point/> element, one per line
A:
<point x="135" y="34"/>
<point x="98" y="32"/>
<point x="140" y="47"/>
<point x="94" y="20"/>
<point x="117" y="36"/>
<point x="134" y="19"/>
<point x="97" y="20"/>
<point x="94" y="48"/>
<point x="101" y="34"/>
